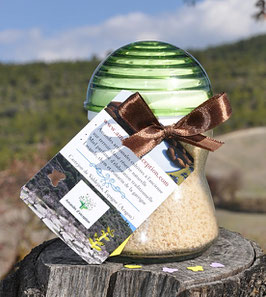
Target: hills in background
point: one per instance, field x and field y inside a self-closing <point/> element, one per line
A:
<point x="42" y="104"/>
<point x="239" y="69"/>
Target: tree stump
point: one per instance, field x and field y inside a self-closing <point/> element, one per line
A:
<point x="54" y="270"/>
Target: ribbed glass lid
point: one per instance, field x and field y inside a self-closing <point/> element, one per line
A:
<point x="170" y="80"/>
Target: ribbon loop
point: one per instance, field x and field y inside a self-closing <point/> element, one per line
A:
<point x="135" y="116"/>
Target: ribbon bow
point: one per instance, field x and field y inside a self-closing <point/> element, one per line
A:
<point x="135" y="116"/>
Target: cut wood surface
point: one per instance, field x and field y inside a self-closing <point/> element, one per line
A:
<point x="54" y="270"/>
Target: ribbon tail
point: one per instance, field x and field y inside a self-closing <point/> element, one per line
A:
<point x="201" y="141"/>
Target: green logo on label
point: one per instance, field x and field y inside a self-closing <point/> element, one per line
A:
<point x="86" y="202"/>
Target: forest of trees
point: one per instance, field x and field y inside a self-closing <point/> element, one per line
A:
<point x="42" y="104"/>
<point x="239" y="70"/>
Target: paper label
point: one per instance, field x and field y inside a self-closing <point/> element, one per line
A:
<point x="135" y="187"/>
<point x="173" y="159"/>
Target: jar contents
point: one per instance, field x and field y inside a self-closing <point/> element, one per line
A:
<point x="172" y="83"/>
<point x="184" y="223"/>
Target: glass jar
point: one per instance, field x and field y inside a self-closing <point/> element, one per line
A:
<point x="173" y="83"/>
<point x="185" y="224"/>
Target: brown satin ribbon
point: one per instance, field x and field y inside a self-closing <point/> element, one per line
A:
<point x="135" y="116"/>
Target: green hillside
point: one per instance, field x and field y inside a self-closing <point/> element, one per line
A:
<point x="239" y="69"/>
<point x="42" y="104"/>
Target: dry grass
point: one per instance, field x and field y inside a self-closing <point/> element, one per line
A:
<point x="249" y="225"/>
<point x="20" y="229"/>
<point x="237" y="171"/>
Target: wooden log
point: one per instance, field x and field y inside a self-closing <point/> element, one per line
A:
<point x="54" y="270"/>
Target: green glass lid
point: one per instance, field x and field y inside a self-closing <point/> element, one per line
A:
<point x="170" y="80"/>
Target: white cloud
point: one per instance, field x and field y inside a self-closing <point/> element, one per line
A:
<point x="210" y="22"/>
<point x="9" y="36"/>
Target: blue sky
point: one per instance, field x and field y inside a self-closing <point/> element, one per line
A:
<point x="55" y="15"/>
<point x="69" y="30"/>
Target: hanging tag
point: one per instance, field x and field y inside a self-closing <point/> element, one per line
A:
<point x="95" y="192"/>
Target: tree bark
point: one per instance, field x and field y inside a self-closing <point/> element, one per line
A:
<point x="54" y="270"/>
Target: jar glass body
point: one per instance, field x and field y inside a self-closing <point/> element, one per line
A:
<point x="184" y="225"/>
<point x="172" y="83"/>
